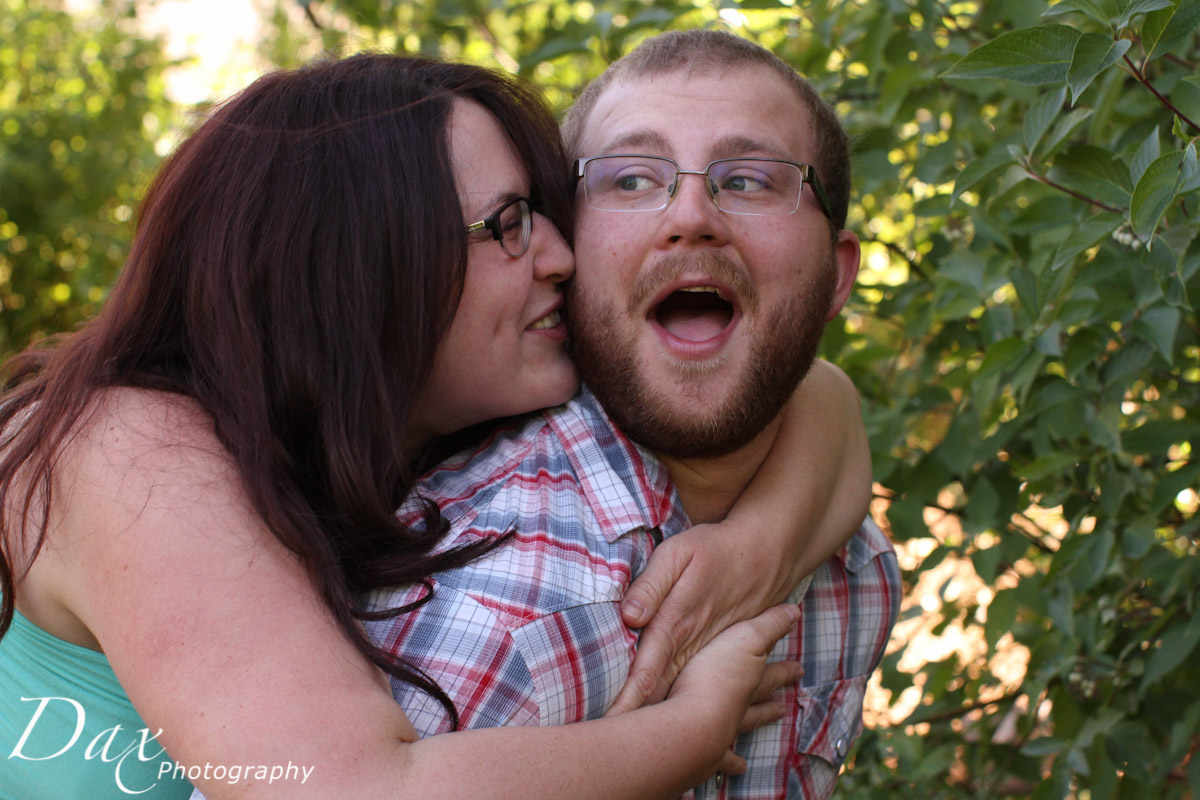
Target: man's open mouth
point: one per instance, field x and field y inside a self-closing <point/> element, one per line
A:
<point x="695" y="313"/>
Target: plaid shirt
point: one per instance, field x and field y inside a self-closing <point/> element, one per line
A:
<point x="531" y="633"/>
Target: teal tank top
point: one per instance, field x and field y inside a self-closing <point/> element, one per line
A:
<point x="67" y="729"/>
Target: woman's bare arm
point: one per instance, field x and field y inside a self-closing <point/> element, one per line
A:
<point x="804" y="503"/>
<point x="217" y="636"/>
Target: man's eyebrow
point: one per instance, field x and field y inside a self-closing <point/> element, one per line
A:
<point x="732" y="146"/>
<point x="737" y="145"/>
<point x="646" y="140"/>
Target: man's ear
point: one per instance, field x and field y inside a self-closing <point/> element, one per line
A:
<point x="846" y="256"/>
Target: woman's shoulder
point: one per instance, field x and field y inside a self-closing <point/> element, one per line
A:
<point x="127" y="432"/>
<point x="138" y="458"/>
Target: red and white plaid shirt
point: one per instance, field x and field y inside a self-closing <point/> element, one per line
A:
<point x="531" y="633"/>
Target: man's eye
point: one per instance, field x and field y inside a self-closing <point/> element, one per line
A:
<point x="635" y="183"/>
<point x="746" y="183"/>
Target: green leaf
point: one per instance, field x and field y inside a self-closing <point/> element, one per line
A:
<point x="551" y="50"/>
<point x="1189" y="179"/>
<point x="1041" y="113"/>
<point x="980" y="169"/>
<point x="1043" y="746"/>
<point x="1156" y="436"/>
<point x="1154" y="192"/>
<point x="1030" y="56"/>
<point x="1159" y="325"/>
<point x="1194" y="776"/>
<point x="1093" y="54"/>
<point x="1094" y="172"/>
<point x="1001" y="617"/>
<point x="1065" y="127"/>
<point x="1090" y="233"/>
<point x="1165" y="29"/>
<point x="1086" y="7"/>
<point x="1180" y="640"/>
<point x="1140" y="7"/>
<point x="1001" y="356"/>
<point x="1147" y="152"/>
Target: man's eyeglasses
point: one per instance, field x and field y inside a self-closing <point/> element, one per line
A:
<point x="764" y="186"/>
<point x="510" y="224"/>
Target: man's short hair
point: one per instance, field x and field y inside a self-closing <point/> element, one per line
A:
<point x="702" y="49"/>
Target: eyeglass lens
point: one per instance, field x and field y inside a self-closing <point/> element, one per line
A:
<point x="740" y="186"/>
<point x="514" y="226"/>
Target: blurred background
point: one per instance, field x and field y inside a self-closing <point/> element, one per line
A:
<point x="1022" y="334"/>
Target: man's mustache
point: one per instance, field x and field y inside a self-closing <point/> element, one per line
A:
<point x="670" y="268"/>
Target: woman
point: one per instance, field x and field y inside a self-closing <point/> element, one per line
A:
<point x="198" y="487"/>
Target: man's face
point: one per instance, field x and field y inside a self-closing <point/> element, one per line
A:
<point x="693" y="325"/>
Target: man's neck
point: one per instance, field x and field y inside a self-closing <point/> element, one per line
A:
<point x="708" y="487"/>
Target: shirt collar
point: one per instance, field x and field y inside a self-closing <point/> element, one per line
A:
<point x="625" y="485"/>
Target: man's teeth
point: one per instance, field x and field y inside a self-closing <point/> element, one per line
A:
<point x="548" y="321"/>
<point x="710" y="289"/>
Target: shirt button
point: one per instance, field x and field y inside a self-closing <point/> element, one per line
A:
<point x="840" y="748"/>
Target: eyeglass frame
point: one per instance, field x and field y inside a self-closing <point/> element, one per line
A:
<point x="807" y="171"/>
<point x="492" y="223"/>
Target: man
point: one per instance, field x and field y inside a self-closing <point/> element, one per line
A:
<point x="710" y="252"/>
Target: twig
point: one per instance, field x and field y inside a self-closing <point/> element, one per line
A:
<point x="1140" y="75"/>
<point x="499" y="53"/>
<point x="955" y="713"/>
<point x="308" y="12"/>
<point x="908" y="259"/>
<point x="1090" y="200"/>
<point x="1035" y="539"/>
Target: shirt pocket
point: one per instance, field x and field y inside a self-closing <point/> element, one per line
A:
<point x="830" y="719"/>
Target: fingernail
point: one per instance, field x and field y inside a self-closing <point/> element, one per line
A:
<point x="633" y="608"/>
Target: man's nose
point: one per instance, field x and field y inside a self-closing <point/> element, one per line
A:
<point x="692" y="216"/>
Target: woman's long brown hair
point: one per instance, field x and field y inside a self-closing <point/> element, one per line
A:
<point x="295" y="264"/>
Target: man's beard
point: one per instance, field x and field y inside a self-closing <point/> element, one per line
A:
<point x="781" y="353"/>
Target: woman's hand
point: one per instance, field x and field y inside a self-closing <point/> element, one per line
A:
<point x="805" y="502"/>
<point x="730" y="662"/>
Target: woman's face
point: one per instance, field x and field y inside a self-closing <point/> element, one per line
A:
<point x="505" y="350"/>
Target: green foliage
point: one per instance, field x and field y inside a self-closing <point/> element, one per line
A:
<point x="1023" y="334"/>
<point x="81" y="105"/>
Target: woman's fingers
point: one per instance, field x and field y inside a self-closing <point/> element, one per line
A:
<point x="765" y="708"/>
<point x="775" y="677"/>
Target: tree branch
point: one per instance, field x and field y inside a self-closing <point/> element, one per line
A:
<point x="1090" y="200"/>
<point x="1140" y="75"/>
<point x="908" y="259"/>
<point x="1033" y="538"/>
<point x="308" y="12"/>
<point x="955" y="713"/>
